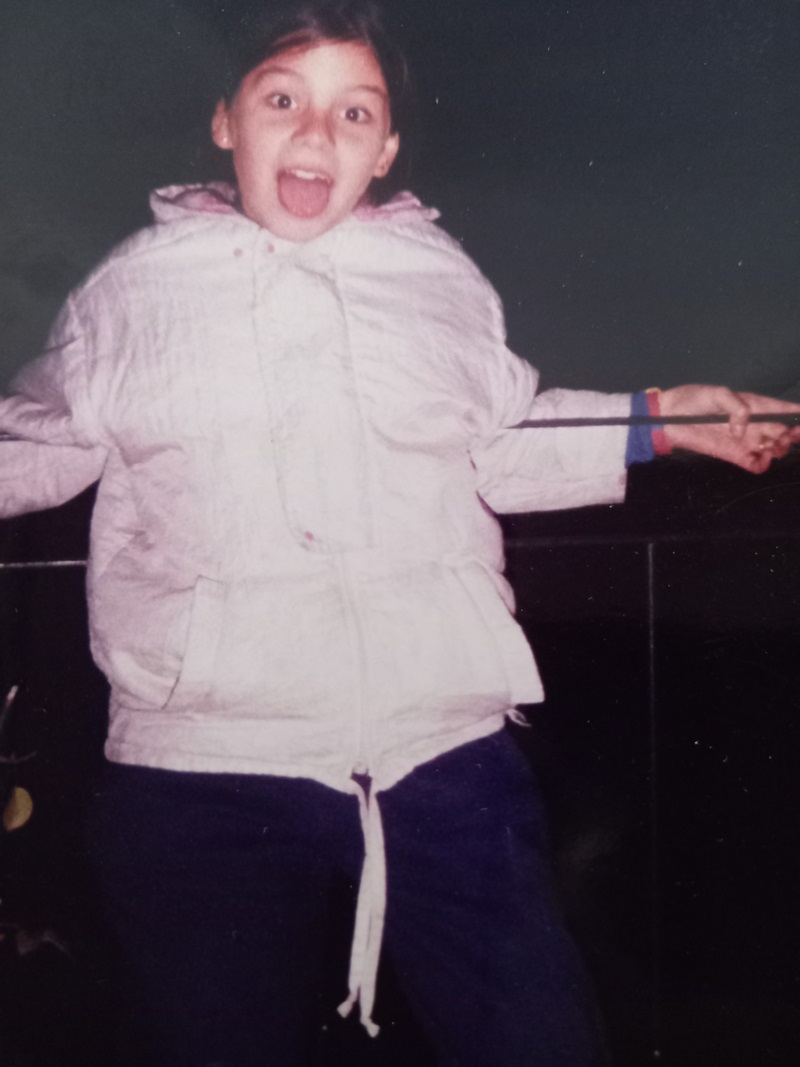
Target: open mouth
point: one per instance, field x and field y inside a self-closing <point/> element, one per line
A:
<point x="304" y="193"/>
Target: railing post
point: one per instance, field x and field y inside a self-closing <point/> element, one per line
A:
<point x="655" y="893"/>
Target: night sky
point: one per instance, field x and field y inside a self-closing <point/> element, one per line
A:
<point x="626" y="173"/>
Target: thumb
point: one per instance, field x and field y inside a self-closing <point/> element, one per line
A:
<point x="733" y="405"/>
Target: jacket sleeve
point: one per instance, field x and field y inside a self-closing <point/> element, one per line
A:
<point x="550" y="468"/>
<point x="59" y="449"/>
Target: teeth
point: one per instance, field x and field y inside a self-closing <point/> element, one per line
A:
<point x="308" y="175"/>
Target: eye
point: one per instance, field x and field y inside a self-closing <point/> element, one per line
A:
<point x="357" y="114"/>
<point x="280" y="101"/>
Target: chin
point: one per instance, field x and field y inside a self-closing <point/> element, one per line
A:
<point x="290" y="227"/>
<point x="302" y="229"/>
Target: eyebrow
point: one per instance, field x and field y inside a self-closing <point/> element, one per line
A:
<point x="369" y="89"/>
<point x="277" y="70"/>
<point x="266" y="71"/>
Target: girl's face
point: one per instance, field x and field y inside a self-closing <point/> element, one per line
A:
<point x="309" y="129"/>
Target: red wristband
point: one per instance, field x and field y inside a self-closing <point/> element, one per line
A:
<point x="661" y="445"/>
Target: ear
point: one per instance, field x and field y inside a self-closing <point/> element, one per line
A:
<point x="387" y="156"/>
<point x="221" y="127"/>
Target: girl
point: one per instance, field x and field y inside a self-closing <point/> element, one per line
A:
<point x="296" y="398"/>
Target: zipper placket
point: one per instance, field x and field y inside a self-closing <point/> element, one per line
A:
<point x="361" y="762"/>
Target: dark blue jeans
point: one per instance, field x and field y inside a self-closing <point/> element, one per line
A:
<point x="218" y="887"/>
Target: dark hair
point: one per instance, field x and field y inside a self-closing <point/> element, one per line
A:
<point x="280" y="25"/>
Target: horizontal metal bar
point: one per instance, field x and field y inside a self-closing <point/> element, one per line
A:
<point x="651" y="420"/>
<point x="41" y="564"/>
<point x="524" y="542"/>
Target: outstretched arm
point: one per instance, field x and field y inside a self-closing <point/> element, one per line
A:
<point x="34" y="476"/>
<point x="58" y="450"/>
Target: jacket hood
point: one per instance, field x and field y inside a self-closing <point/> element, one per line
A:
<point x="221" y="198"/>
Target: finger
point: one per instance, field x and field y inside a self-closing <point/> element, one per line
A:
<point x="771" y="404"/>
<point x="757" y="462"/>
<point x="757" y="402"/>
<point x="780" y="448"/>
<point x="735" y="406"/>
<point x="779" y="442"/>
<point x="738" y="411"/>
<point x="769" y="450"/>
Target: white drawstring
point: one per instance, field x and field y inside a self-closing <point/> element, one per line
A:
<point x="370" y="912"/>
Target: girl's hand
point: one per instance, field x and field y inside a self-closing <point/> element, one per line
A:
<point x="752" y="446"/>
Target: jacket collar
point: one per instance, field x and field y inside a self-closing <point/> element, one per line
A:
<point x="221" y="198"/>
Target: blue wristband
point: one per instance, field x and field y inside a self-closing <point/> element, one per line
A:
<point x="640" y="438"/>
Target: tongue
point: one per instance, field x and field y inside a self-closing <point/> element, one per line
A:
<point x="303" y="197"/>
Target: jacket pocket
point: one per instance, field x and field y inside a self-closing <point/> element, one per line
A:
<point x="197" y="671"/>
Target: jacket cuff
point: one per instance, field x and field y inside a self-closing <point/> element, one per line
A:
<point x="640" y="447"/>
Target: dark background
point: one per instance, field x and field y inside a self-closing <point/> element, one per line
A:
<point x="626" y="174"/>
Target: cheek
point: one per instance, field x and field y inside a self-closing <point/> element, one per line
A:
<point x="366" y="156"/>
<point x="260" y="139"/>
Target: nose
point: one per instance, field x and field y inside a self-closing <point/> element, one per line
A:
<point x="315" y="127"/>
